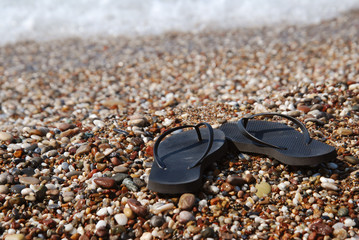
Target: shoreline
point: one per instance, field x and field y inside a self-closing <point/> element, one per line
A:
<point x="74" y="111"/>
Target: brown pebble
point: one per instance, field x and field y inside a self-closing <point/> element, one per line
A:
<point x="65" y="126"/>
<point x="86" y="148"/>
<point x="249" y="178"/>
<point x="236" y="180"/>
<point x="321" y="228"/>
<point x="137" y="207"/>
<point x="303" y="108"/>
<point x="186" y="201"/>
<point x="105" y="182"/>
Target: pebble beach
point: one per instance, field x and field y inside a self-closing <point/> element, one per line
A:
<point x="79" y="118"/>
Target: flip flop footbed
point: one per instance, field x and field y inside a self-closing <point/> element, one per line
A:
<point x="178" y="152"/>
<point x="296" y="151"/>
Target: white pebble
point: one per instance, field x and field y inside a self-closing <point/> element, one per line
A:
<point x="26" y="191"/>
<point x="349" y="222"/>
<point x="326" y="180"/>
<point x="68" y="227"/>
<point x="99" y="123"/>
<point x="102" y="212"/>
<point x="121" y="219"/>
<point x="156" y="209"/>
<point x="146" y="236"/>
<point x="101" y="224"/>
<point x="213" y="189"/>
<point x="330" y="186"/>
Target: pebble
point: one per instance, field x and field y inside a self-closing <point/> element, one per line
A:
<point x="157" y="221"/>
<point x="121" y="219"/>
<point x="321" y="228"/>
<point x="105" y="182"/>
<point x="4" y="189"/>
<point x="208" y="232"/>
<point x="349" y="222"/>
<point x="146" y="236"/>
<point x="17" y="188"/>
<point x="351" y="159"/>
<point x="137" y="207"/>
<point x="29" y="180"/>
<point x="83" y="149"/>
<point x="263" y="189"/>
<point x="4" y="136"/>
<point x="343" y="211"/>
<point x="186" y="201"/>
<point x="14" y="237"/>
<point x="120" y="169"/>
<point x="102" y="212"/>
<point x="130" y="185"/>
<point x="345" y="131"/>
<point x="236" y="180"/>
<point x="73" y="173"/>
<point x="340" y="234"/>
<point x="158" y="208"/>
<point x="330" y="186"/>
<point x="119" y="177"/>
<point x="185" y="217"/>
<point x="249" y="178"/>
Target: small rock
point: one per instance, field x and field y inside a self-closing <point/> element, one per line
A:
<point x="138" y="182"/>
<point x="29" y="180"/>
<point x="137" y="207"/>
<point x="130" y="185"/>
<point x="102" y="212"/>
<point x="351" y="159"/>
<point x="121" y="219"/>
<point x="99" y="123"/>
<point x="4" y="136"/>
<point x="137" y="120"/>
<point x="73" y="173"/>
<point x="186" y="201"/>
<point x="68" y="196"/>
<point x="4" y="189"/>
<point x="321" y="228"/>
<point x="303" y="108"/>
<point x="119" y="177"/>
<point x="157" y="221"/>
<point x="128" y="212"/>
<point x="146" y="236"/>
<point x="294" y="113"/>
<point x="349" y="222"/>
<point x="120" y="169"/>
<point x="185" y="217"/>
<point x="17" y="188"/>
<point x="329" y="186"/>
<point x="65" y="126"/>
<point x="345" y="131"/>
<point x="263" y="189"/>
<point x="156" y="209"/>
<point x="208" y="232"/>
<point x="14" y="237"/>
<point x="340" y="234"/>
<point x="105" y="182"/>
<point x="343" y="211"/>
<point x="236" y="180"/>
<point x="86" y="148"/>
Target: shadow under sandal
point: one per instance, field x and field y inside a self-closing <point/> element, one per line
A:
<point x="278" y="140"/>
<point x="180" y="160"/>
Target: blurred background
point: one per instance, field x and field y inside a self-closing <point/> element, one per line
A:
<point x="53" y="19"/>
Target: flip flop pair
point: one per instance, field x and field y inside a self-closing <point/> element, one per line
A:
<point x="181" y="159"/>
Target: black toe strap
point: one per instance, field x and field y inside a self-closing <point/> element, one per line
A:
<point x="242" y="124"/>
<point x="162" y="165"/>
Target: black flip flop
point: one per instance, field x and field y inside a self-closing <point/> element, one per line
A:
<point x="180" y="160"/>
<point x="278" y="140"/>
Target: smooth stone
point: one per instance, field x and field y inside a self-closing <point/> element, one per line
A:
<point x="3" y="177"/>
<point x="99" y="123"/>
<point x="15" y="237"/>
<point x="146" y="236"/>
<point x="65" y="126"/>
<point x="129" y="213"/>
<point x="294" y="113"/>
<point x="185" y="217"/>
<point x="263" y="189"/>
<point x="40" y="194"/>
<point x="4" y="136"/>
<point x="68" y="196"/>
<point x="157" y="221"/>
<point x="65" y="166"/>
<point x="345" y="131"/>
<point x="138" y="182"/>
<point x="351" y="159"/>
<point x="16" y="200"/>
<point x="139" y="122"/>
<point x="321" y="228"/>
<point x="187" y="201"/>
<point x="17" y="188"/>
<point x="349" y="222"/>
<point x="130" y="185"/>
<point x="105" y="182"/>
<point x="102" y="212"/>
<point x="52" y="153"/>
<point x="329" y="186"/>
<point x="86" y="148"/>
<point x="137" y="207"/>
<point x="119" y="177"/>
<point x="343" y="211"/>
<point x="208" y="232"/>
<point x="4" y="189"/>
<point x="99" y="157"/>
<point x="340" y="234"/>
<point x="29" y="180"/>
<point x="156" y="209"/>
<point x="236" y="180"/>
<point x="73" y="173"/>
<point x="26" y="191"/>
<point x="120" y="169"/>
<point x="121" y="219"/>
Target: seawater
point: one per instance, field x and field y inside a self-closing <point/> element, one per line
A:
<point x="53" y="19"/>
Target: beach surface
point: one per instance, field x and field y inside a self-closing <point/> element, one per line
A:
<point x="78" y="120"/>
